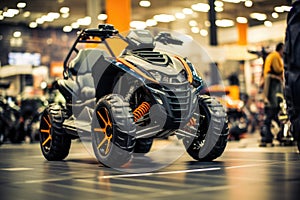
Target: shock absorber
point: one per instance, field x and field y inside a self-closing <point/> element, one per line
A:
<point x="141" y="110"/>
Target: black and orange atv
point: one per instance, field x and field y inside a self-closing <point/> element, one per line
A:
<point x="123" y="102"/>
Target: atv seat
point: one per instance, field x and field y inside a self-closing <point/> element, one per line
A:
<point x="85" y="60"/>
<point x="81" y="66"/>
<point x="82" y="87"/>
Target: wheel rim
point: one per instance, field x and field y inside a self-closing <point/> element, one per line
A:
<point x="103" y="131"/>
<point x="45" y="132"/>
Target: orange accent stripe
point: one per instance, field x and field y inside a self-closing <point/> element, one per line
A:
<point x="106" y="123"/>
<point x="102" y="142"/>
<point x="47" y="140"/>
<point x="128" y="64"/>
<point x="48" y="123"/>
<point x="141" y="110"/>
<point x="45" y="131"/>
<point x="187" y="68"/>
<point x="99" y="130"/>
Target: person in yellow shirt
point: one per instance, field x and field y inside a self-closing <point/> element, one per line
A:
<point x="274" y="62"/>
<point x="273" y="83"/>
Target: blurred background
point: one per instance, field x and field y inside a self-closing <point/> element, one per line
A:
<point x="35" y="37"/>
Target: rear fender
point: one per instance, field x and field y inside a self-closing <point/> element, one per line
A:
<point x="68" y="88"/>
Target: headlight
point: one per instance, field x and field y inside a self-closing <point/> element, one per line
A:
<point x="160" y="77"/>
<point x="182" y="76"/>
<point x="179" y="78"/>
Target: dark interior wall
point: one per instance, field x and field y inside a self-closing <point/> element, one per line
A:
<point x="53" y="44"/>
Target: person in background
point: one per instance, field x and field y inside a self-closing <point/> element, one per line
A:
<point x="273" y="83"/>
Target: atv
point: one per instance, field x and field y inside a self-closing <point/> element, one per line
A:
<point x="124" y="102"/>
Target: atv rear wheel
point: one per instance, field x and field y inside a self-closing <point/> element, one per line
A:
<point x="212" y="132"/>
<point x="113" y="131"/>
<point x="55" y="145"/>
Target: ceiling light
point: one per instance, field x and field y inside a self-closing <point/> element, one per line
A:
<point x="207" y="23"/>
<point x="187" y="11"/>
<point x="201" y="7"/>
<point x="47" y="18"/>
<point x="138" y="24"/>
<point x="21" y="5"/>
<point x="11" y="12"/>
<point x="17" y="34"/>
<point x="84" y="21"/>
<point x="1" y="17"/>
<point x="145" y="3"/>
<point x="268" y="23"/>
<point x="242" y="20"/>
<point x="275" y="15"/>
<point x="75" y="25"/>
<point x="53" y="15"/>
<point x="232" y="1"/>
<point x="179" y="15"/>
<point x="279" y="9"/>
<point x="151" y="22"/>
<point x="203" y="32"/>
<point x="64" y="10"/>
<point x="39" y="21"/>
<point x="33" y="24"/>
<point x="219" y="9"/>
<point x="224" y="22"/>
<point x="258" y="16"/>
<point x="219" y="4"/>
<point x="7" y="14"/>
<point x="193" y="23"/>
<point x="164" y="18"/>
<point x="67" y="29"/>
<point x="65" y="15"/>
<point x="286" y="8"/>
<point x="248" y="3"/>
<point x="195" y="29"/>
<point x="102" y="17"/>
<point x="26" y="14"/>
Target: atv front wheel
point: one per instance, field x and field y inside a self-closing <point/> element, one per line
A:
<point x="55" y="145"/>
<point x="113" y="131"/>
<point x="212" y="131"/>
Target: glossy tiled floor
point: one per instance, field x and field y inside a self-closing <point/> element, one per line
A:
<point x="244" y="172"/>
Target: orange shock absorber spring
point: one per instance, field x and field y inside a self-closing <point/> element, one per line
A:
<point x="141" y="110"/>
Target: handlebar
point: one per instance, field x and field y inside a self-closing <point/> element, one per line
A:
<point x="166" y="38"/>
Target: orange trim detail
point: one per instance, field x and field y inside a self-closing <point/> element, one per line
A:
<point x="187" y="68"/>
<point x="141" y="110"/>
<point x="107" y="139"/>
<point x="48" y="131"/>
<point x="128" y="64"/>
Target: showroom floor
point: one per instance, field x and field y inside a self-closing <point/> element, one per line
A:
<point x="244" y="171"/>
